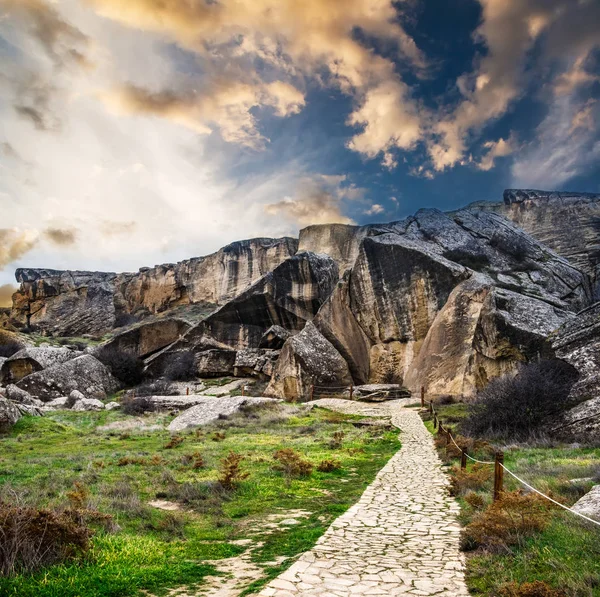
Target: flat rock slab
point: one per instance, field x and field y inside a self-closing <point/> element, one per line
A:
<point x="210" y="408"/>
<point x="589" y="504"/>
<point x="352" y="407"/>
<point x="401" y="538"/>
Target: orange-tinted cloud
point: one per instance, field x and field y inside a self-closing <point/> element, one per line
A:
<point x="6" y="292"/>
<point x="14" y="243"/>
<point x="63" y="237"/>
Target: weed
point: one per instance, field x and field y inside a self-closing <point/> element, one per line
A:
<point x="78" y="497"/>
<point x="336" y="440"/>
<point x="174" y="442"/>
<point x="507" y="522"/>
<point x="231" y="473"/>
<point x="291" y="464"/>
<point x="328" y="465"/>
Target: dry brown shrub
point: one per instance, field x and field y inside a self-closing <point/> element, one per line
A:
<point x="531" y="589"/>
<point x="231" y="472"/>
<point x="127" y="460"/>
<point x="291" y="464"/>
<point x="156" y="460"/>
<point x="507" y="522"/>
<point x="174" y="442"/>
<point x="32" y="538"/>
<point x="219" y="436"/>
<point x="328" y="465"/>
<point x="78" y="497"/>
<point x="462" y="481"/>
<point x="196" y="460"/>
<point x="475" y="500"/>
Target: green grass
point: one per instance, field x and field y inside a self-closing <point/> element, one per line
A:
<point x="155" y="550"/>
<point x="566" y="554"/>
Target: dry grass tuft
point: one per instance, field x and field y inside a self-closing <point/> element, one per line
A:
<point x="469" y="480"/>
<point x="531" y="589"/>
<point x="328" y="465"/>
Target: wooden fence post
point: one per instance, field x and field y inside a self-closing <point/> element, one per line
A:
<point x="463" y="459"/>
<point x="351" y="391"/>
<point x="243" y="388"/>
<point x="187" y="391"/>
<point x="435" y="421"/>
<point x="498" y="475"/>
<point x="312" y="392"/>
<point x="422" y="396"/>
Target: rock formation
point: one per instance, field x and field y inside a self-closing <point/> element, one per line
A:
<point x="578" y="343"/>
<point x="85" y="374"/>
<point x="71" y="303"/>
<point x="569" y="223"/>
<point x="445" y="301"/>
<point x="32" y="359"/>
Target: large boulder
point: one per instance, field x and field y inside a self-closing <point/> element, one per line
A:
<point x="307" y="359"/>
<point x="148" y="338"/>
<point x="215" y="362"/>
<point x="84" y="373"/>
<point x="578" y="343"/>
<point x="9" y="414"/>
<point x="274" y="338"/>
<point x="32" y="359"/>
<point x="589" y="504"/>
<point x="255" y="362"/>
<point x="20" y="396"/>
<point x="210" y="409"/>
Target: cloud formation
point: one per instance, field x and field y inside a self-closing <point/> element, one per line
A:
<point x="63" y="237"/>
<point x="316" y="201"/>
<point x="14" y="243"/>
<point x="6" y="292"/>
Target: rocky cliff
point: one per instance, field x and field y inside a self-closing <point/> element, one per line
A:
<point x="71" y="303"/>
<point x="444" y="301"/>
<point x="567" y="222"/>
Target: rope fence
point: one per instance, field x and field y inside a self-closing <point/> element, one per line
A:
<point x="498" y="463"/>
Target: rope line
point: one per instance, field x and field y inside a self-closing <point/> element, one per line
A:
<point x="467" y="455"/>
<point x="549" y="498"/>
<point x="530" y="487"/>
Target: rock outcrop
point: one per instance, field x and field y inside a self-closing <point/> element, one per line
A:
<point x="84" y="373"/>
<point x="32" y="359"/>
<point x="71" y="303"/>
<point x="446" y="301"/>
<point x="589" y="504"/>
<point x="146" y="339"/>
<point x="578" y="343"/>
<point x="567" y="222"/>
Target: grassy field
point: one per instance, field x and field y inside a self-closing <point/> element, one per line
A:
<point x="566" y="552"/>
<point x="119" y="470"/>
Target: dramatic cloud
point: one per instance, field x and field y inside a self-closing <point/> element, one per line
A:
<point x="14" y="243"/>
<point x="493" y="150"/>
<point x="317" y="201"/>
<point x="227" y="106"/>
<point x="6" y="292"/>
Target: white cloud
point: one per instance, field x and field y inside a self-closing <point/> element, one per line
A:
<point x="375" y="209"/>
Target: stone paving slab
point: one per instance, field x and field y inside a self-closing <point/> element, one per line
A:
<point x="400" y="538"/>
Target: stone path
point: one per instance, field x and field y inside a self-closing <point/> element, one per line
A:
<point x="401" y="538"/>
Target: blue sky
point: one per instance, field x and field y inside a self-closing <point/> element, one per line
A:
<point x="151" y="131"/>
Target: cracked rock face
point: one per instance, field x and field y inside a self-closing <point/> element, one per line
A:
<point x="32" y="359"/>
<point x="72" y="303"/>
<point x="441" y="300"/>
<point x="9" y="414"/>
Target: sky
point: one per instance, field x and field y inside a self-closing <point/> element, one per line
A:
<point x="141" y="132"/>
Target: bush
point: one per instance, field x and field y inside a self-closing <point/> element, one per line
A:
<point x="32" y="538"/>
<point x="507" y="522"/>
<point x="10" y="348"/>
<point x="463" y="481"/>
<point x="336" y="440"/>
<point x="291" y="464"/>
<point x="137" y="405"/>
<point x="329" y="465"/>
<point x="181" y="366"/>
<point x="125" y="366"/>
<point x="514" y="407"/>
<point x="231" y="472"/>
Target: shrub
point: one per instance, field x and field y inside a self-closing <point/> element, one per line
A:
<point x="9" y="348"/>
<point x="181" y="366"/>
<point x="78" y="497"/>
<point x="507" y="522"/>
<point x="328" y="465"/>
<point x="336" y="440"/>
<point x="32" y="538"/>
<point x="125" y="366"/>
<point x="291" y="464"/>
<point x="516" y="406"/>
<point x="475" y="500"/>
<point x="137" y="405"/>
<point x="219" y="436"/>
<point x="531" y="589"/>
<point x="468" y="480"/>
<point x="196" y="460"/>
<point x="175" y="441"/>
<point x="231" y="473"/>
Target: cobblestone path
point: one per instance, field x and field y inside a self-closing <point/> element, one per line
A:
<point x="400" y="538"/>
